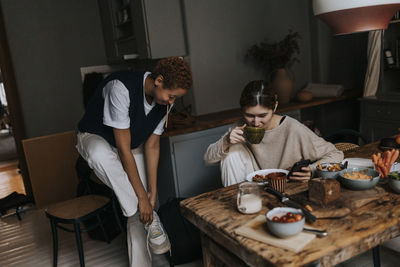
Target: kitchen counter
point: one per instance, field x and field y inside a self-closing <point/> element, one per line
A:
<point x="212" y="120"/>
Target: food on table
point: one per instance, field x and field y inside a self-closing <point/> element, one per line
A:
<point x="289" y="217"/>
<point x="259" y="178"/>
<point x="308" y="207"/>
<point x="357" y="175"/>
<point x="394" y="181"/>
<point x="383" y="162"/>
<point x="398" y="138"/>
<point x="394" y="175"/>
<point x="332" y="167"/>
<point x="323" y="191"/>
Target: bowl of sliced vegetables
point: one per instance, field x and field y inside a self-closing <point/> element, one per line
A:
<point x="358" y="178"/>
<point x="394" y="181"/>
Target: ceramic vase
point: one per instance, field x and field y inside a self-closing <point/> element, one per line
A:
<point x="282" y="81"/>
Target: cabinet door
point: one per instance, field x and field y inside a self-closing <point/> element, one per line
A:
<point x="377" y="130"/>
<point x="193" y="177"/>
<point x="118" y="32"/>
<point x="158" y="25"/>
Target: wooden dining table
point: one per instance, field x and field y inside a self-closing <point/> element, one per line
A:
<point x="216" y="215"/>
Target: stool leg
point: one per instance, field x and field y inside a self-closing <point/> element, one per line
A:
<point x="79" y="243"/>
<point x="376" y="256"/>
<point x="116" y="214"/>
<point x="102" y="228"/>
<point x="55" y="241"/>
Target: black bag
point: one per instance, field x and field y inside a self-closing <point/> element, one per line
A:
<point x="183" y="235"/>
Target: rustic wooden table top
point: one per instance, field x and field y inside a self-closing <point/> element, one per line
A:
<point x="216" y="215"/>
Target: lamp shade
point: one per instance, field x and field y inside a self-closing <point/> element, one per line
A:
<point x="349" y="16"/>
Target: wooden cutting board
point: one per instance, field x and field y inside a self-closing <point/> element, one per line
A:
<point x="257" y="229"/>
<point x="348" y="201"/>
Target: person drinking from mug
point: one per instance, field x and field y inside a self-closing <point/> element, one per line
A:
<point x="285" y="141"/>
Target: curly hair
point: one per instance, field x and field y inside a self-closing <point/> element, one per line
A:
<point x="258" y="93"/>
<point x="175" y="71"/>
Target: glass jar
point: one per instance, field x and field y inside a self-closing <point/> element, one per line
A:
<point x="249" y="198"/>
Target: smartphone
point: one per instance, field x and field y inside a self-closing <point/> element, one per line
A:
<point x="297" y="166"/>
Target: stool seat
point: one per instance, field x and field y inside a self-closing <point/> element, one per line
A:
<point x="75" y="209"/>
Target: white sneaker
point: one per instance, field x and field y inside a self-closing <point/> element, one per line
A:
<point x="157" y="238"/>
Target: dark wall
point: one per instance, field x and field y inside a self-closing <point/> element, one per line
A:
<point x="49" y="42"/>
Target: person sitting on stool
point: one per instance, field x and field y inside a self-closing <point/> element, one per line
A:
<point x="126" y="114"/>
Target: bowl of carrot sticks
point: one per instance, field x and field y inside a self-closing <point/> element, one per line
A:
<point x="383" y="161"/>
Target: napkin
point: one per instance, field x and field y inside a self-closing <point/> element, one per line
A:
<point x="257" y="229"/>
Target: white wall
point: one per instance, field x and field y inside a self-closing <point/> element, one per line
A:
<point x="49" y="41"/>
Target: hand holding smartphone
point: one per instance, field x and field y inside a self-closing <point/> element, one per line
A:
<point x="297" y="166"/>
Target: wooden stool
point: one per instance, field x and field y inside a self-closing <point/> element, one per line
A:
<point x="75" y="211"/>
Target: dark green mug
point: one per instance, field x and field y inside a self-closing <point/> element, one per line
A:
<point x="254" y="135"/>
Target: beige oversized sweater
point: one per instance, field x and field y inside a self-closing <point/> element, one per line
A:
<point x="281" y="147"/>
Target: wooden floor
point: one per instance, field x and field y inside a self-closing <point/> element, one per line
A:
<point x="29" y="243"/>
<point x="10" y="179"/>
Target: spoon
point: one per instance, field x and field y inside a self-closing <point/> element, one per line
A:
<point x="319" y="233"/>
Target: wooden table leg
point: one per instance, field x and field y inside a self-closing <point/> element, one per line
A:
<point x="207" y="255"/>
<point x="214" y="255"/>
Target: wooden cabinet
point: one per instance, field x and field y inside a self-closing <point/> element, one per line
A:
<point x="379" y="118"/>
<point x="182" y="171"/>
<point x="148" y="29"/>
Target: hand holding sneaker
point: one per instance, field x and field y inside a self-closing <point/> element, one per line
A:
<point x="145" y="210"/>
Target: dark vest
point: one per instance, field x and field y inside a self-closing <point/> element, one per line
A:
<point x="141" y="126"/>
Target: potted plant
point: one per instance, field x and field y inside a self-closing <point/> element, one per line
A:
<point x="275" y="59"/>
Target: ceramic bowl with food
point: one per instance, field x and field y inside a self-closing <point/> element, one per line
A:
<point x="394" y="181"/>
<point x="285" y="222"/>
<point x="359" y="178"/>
<point x="328" y="170"/>
<point x="254" y="135"/>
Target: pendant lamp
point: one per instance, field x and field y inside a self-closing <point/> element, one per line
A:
<point x="349" y="16"/>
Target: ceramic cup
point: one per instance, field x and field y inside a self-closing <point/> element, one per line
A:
<point x="254" y="135"/>
<point x="249" y="198"/>
<point x="277" y="180"/>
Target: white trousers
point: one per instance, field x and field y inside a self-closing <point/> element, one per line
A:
<point x="106" y="164"/>
<point x="237" y="165"/>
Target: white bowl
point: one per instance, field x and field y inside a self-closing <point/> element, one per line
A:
<point x="324" y="173"/>
<point x="394" y="184"/>
<point x="355" y="184"/>
<point x="284" y="230"/>
<point x="358" y="163"/>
